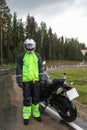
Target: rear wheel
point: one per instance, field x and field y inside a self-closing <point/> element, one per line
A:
<point x="66" y="109"/>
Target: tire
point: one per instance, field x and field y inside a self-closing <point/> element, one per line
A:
<point x="66" y="109"/>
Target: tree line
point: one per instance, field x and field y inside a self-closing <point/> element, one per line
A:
<point x="51" y="47"/>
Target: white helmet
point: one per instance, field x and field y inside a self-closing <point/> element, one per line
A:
<point x="29" y="42"/>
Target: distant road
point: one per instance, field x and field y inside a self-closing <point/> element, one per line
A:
<point x="48" y="67"/>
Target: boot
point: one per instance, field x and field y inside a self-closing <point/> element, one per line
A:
<point x="26" y="121"/>
<point x="38" y="119"/>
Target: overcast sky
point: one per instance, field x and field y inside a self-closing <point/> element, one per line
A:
<point x="66" y="17"/>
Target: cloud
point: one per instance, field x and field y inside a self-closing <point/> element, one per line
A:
<point x="32" y="4"/>
<point x="42" y="10"/>
<point x="49" y="7"/>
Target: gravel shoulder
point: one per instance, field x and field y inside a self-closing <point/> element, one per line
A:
<point x="81" y="109"/>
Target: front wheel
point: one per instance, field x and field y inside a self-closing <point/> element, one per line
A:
<point x="66" y="109"/>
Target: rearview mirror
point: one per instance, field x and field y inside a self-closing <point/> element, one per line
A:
<point x="44" y="62"/>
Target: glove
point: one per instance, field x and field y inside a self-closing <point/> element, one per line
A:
<point x="42" y="81"/>
<point x="42" y="77"/>
<point x="20" y="84"/>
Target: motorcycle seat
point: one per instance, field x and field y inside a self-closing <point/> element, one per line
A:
<point x="59" y="80"/>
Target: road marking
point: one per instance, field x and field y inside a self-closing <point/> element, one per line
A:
<point x="57" y="115"/>
<point x="75" y="126"/>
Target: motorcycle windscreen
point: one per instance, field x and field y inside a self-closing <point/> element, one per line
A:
<point x="72" y="94"/>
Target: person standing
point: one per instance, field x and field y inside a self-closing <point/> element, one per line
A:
<point x="29" y="72"/>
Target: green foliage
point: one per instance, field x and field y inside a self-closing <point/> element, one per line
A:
<point x="31" y="27"/>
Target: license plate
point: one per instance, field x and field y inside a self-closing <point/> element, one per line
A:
<point x="72" y="94"/>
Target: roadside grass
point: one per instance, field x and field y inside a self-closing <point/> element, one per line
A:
<point x="77" y="76"/>
<point x="8" y="65"/>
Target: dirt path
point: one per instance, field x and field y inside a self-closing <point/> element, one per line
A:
<point x="81" y="109"/>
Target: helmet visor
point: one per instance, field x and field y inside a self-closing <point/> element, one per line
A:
<point x="29" y="47"/>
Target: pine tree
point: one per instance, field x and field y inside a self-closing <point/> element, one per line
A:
<point x="5" y="18"/>
<point x="31" y="27"/>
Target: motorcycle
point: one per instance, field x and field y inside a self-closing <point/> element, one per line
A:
<point x="60" y="96"/>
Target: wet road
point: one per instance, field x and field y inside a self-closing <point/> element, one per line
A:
<point x="11" y="109"/>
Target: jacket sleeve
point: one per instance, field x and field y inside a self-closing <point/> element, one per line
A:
<point x="41" y="71"/>
<point x="19" y="68"/>
<point x="40" y="63"/>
